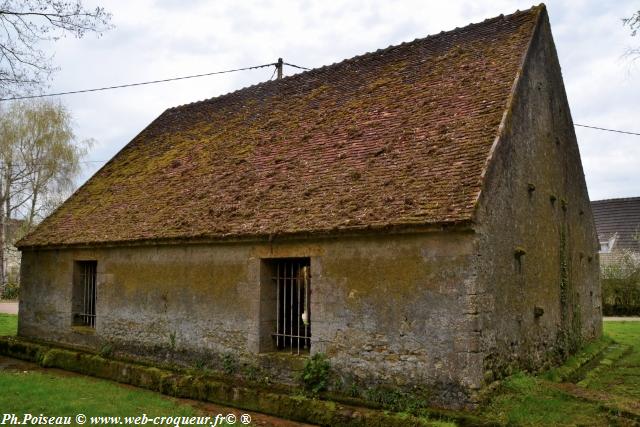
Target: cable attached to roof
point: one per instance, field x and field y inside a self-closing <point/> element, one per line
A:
<point x="296" y="66"/>
<point x="139" y="83"/>
<point x="278" y="66"/>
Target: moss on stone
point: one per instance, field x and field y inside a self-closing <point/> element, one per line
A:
<point x="24" y="350"/>
<point x="201" y="387"/>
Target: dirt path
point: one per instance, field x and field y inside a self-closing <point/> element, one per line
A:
<point x="257" y="419"/>
<point x="621" y="319"/>
<point x="9" y="307"/>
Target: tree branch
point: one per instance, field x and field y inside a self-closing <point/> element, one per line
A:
<point x="27" y="23"/>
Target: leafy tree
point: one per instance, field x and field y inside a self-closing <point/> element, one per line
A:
<point x="39" y="159"/>
<point x="625" y="266"/>
<point x="26" y="26"/>
<point x="621" y="282"/>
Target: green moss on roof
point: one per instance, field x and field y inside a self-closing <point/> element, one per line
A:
<point x="398" y="136"/>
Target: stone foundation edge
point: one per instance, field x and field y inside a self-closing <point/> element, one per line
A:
<point x="205" y="388"/>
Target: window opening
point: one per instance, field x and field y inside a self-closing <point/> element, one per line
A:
<point x="85" y="294"/>
<point x="293" y="317"/>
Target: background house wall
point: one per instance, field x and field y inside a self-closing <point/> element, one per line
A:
<point x="618" y="225"/>
<point x="387" y="309"/>
<point x="537" y="237"/>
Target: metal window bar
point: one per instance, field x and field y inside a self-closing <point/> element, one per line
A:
<point x="87" y="317"/>
<point x="292" y="281"/>
<point x="277" y="283"/>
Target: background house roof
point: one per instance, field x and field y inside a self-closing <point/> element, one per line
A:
<point x="621" y="217"/>
<point x="399" y="136"/>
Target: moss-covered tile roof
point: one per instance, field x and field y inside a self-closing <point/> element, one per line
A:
<point x="394" y="137"/>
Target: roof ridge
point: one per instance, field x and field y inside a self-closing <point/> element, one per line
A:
<point x="617" y="199"/>
<point x="365" y="55"/>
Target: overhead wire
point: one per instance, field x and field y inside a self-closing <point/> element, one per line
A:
<point x="273" y="64"/>
<point x="296" y="66"/>
<point x="608" y="130"/>
<point x="171" y="79"/>
<point x="275" y="70"/>
<point x="2" y="166"/>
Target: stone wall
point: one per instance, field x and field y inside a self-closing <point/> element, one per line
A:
<point x="386" y="310"/>
<point x="538" y="285"/>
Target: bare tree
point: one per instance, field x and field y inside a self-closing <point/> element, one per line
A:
<point x="25" y="26"/>
<point x="39" y="160"/>
<point x="633" y="22"/>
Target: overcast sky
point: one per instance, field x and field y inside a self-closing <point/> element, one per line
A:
<point x="165" y="38"/>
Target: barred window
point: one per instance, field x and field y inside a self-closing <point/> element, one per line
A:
<point x="84" y="293"/>
<point x="291" y="278"/>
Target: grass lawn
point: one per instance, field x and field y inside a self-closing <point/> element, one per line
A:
<point x="623" y="379"/>
<point x="526" y="400"/>
<point x="55" y="395"/>
<point x="8" y="324"/>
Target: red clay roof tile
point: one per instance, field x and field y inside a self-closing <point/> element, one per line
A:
<point x="395" y="137"/>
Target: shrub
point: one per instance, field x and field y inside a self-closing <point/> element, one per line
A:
<point x="315" y="375"/>
<point x="106" y="350"/>
<point x="229" y="365"/>
<point x="200" y="363"/>
<point x="621" y="286"/>
<point x="10" y="291"/>
<point x="620" y="297"/>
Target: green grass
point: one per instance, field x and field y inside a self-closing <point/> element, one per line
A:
<point x="526" y="400"/>
<point x="52" y="394"/>
<point x="8" y="324"/>
<point x="573" y="364"/>
<point x="623" y="379"/>
<point x="625" y="333"/>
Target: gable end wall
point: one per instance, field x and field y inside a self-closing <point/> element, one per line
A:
<point x="537" y="242"/>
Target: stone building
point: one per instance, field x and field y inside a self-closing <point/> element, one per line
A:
<point x="419" y="214"/>
<point x="618" y="226"/>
